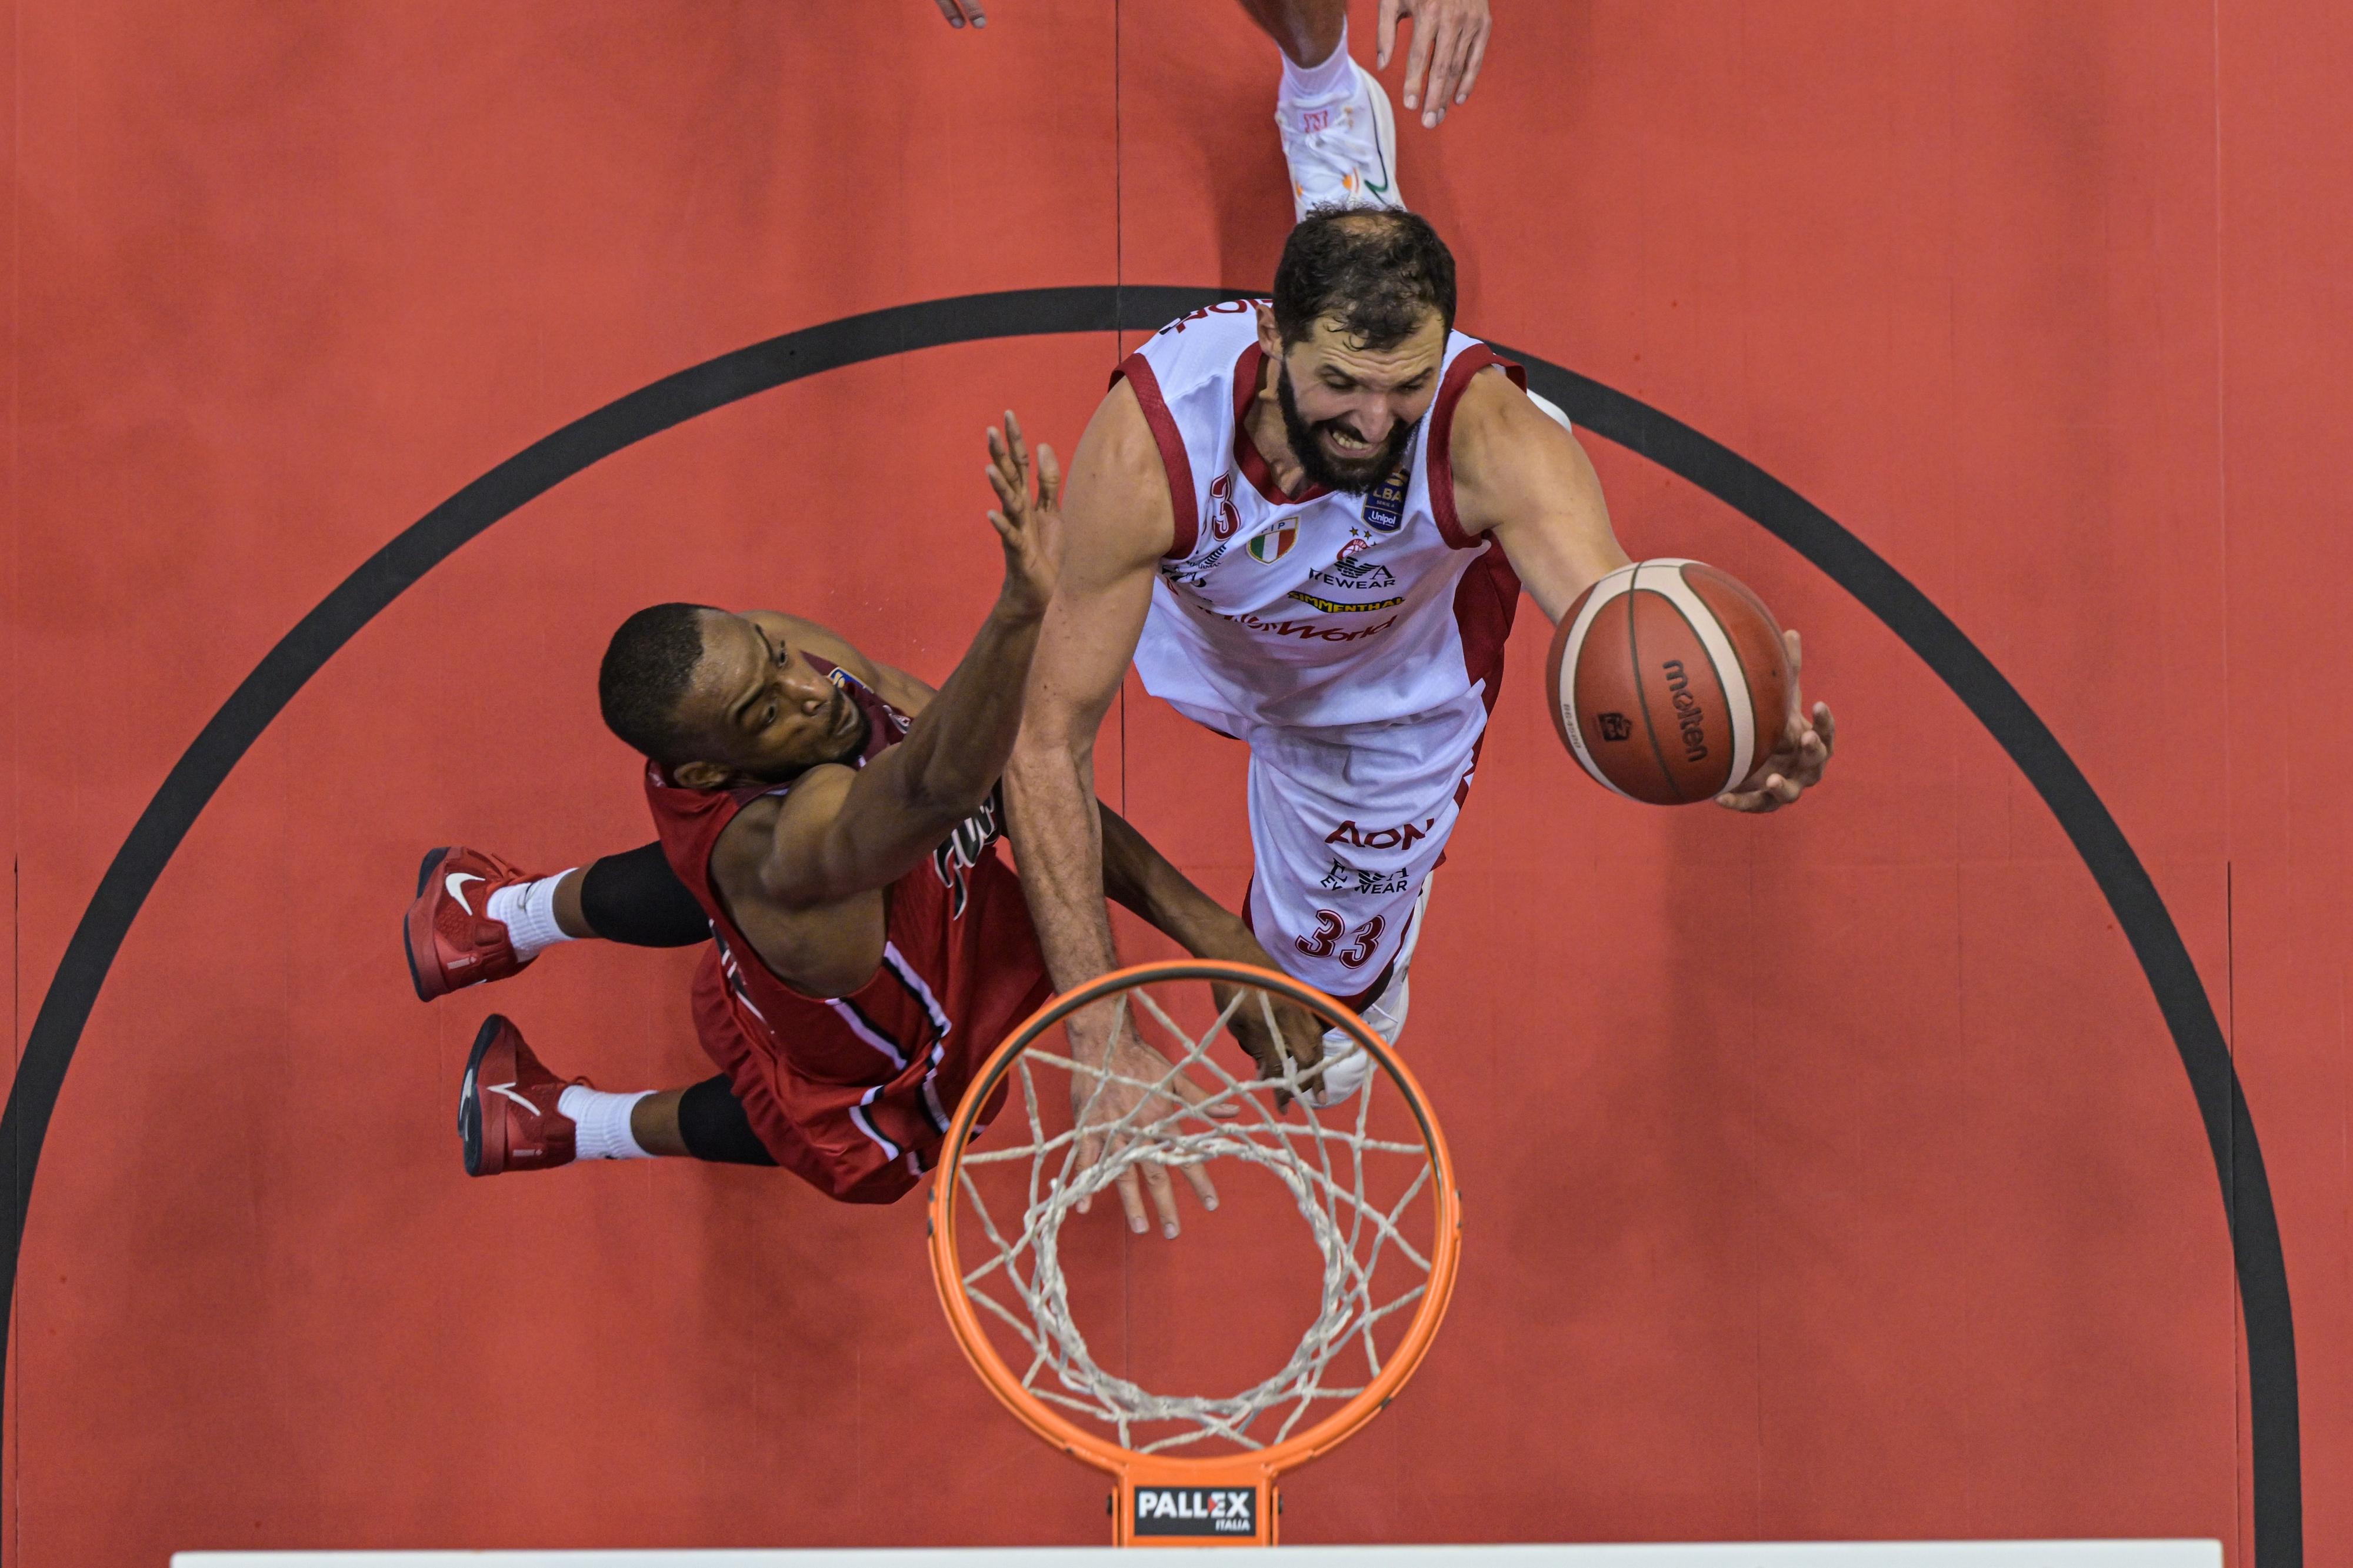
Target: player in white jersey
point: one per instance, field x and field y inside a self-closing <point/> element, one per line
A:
<point x="1308" y="520"/>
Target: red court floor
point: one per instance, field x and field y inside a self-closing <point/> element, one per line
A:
<point x="1830" y="1174"/>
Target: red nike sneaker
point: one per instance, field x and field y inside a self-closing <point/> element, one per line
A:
<point x="507" y="1115"/>
<point x="449" y="937"/>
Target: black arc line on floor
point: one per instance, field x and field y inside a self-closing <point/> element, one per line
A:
<point x="2262" y="1270"/>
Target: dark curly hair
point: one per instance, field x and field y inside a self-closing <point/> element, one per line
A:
<point x="1376" y="270"/>
<point x="648" y="667"/>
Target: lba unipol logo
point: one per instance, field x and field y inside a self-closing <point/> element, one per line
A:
<point x="1385" y="505"/>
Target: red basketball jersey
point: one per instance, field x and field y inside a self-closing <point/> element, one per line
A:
<point x="854" y="1093"/>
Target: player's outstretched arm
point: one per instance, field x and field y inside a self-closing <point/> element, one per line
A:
<point x="841" y="833"/>
<point x="1521" y="476"/>
<point x="1120" y="522"/>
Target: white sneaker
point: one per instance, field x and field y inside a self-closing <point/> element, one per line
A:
<point x="1342" y="150"/>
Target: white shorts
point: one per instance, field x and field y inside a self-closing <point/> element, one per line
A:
<point x="1347" y="823"/>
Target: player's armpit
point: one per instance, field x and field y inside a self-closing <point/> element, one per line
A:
<point x="1521" y="477"/>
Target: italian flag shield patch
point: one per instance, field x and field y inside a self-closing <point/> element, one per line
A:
<point x="1274" y="545"/>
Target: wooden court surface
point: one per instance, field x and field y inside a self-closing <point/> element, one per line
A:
<point x="1832" y="1175"/>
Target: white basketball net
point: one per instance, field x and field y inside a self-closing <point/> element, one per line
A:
<point x="1322" y="1159"/>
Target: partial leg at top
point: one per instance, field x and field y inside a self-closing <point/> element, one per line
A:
<point x="1306" y="31"/>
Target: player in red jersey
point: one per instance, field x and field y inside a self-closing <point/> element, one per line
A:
<point x="833" y="821"/>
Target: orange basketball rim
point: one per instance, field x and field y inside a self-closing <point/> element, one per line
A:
<point x="1184" y="1500"/>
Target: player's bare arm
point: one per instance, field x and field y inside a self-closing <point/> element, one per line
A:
<point x="1136" y="876"/>
<point x="819" y="857"/>
<point x="1119" y="523"/>
<point x="1520" y="476"/>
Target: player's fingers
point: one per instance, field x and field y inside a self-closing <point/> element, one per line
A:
<point x="1790" y="641"/>
<point x="1465" y="36"/>
<point x="1806" y="766"/>
<point x="1478" y="58"/>
<point x="948" y="9"/>
<point x="1009" y="493"/>
<point x="1019" y="443"/>
<point x="1197" y="1176"/>
<point x="1416" y="63"/>
<point x="1000" y="461"/>
<point x="1385" y="35"/>
<point x="1050" y="476"/>
<point x="1090" y="1150"/>
<point x="972" y="8"/>
<point x="1164" y="1196"/>
<point x="1131" y="1198"/>
<point x="1444" y="47"/>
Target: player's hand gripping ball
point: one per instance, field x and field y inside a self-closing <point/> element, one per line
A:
<point x="1669" y="683"/>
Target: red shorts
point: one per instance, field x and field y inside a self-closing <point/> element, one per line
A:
<point x="862" y="1144"/>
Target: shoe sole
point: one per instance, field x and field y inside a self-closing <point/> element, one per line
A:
<point x="409" y="923"/>
<point x="1383" y="134"/>
<point x="469" y="1104"/>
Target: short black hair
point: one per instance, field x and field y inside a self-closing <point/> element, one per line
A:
<point x="1376" y="270"/>
<point x="648" y="667"/>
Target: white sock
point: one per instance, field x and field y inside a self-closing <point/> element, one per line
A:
<point x="528" y="911"/>
<point x="603" y="1123"/>
<point x="1306" y="84"/>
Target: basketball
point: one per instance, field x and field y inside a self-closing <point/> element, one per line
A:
<point x="1668" y="680"/>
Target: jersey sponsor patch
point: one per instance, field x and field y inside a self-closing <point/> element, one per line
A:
<point x="1385" y="504"/>
<point x="1349" y="573"/>
<point x="1344" y="877"/>
<point x="1305" y="631"/>
<point x="1336" y="607"/>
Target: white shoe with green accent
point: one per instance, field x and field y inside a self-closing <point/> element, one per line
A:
<point x="1342" y="151"/>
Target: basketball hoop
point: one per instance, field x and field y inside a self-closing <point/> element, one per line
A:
<point x="1373" y="1183"/>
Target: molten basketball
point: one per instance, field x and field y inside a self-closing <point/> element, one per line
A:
<point x="1669" y="682"/>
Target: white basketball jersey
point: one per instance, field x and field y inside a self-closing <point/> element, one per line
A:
<point x="1315" y="609"/>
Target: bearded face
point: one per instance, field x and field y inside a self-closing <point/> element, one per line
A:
<point x="1333" y="452"/>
